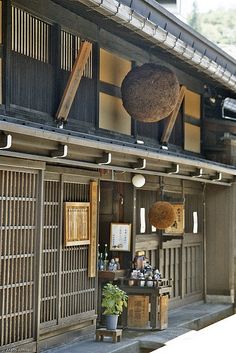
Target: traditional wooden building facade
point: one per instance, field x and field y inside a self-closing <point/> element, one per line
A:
<point x="60" y="145"/>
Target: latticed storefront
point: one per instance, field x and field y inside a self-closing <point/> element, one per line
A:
<point x="43" y="284"/>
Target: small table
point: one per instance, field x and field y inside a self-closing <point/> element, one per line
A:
<point x="103" y="332"/>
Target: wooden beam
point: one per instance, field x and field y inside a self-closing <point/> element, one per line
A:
<point x="172" y="117"/>
<point x="74" y="81"/>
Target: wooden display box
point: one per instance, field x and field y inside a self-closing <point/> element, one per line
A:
<point x="138" y="311"/>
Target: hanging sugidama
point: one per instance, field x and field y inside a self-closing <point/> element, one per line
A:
<point x="150" y="92"/>
<point x="161" y="215"/>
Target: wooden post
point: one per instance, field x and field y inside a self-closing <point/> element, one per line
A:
<point x="173" y="116"/>
<point x="204" y="245"/>
<point x="60" y="247"/>
<point x="38" y="252"/>
<point x="74" y="81"/>
<point x="56" y="59"/>
<point x="92" y="258"/>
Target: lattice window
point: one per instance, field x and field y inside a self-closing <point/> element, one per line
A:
<point x="70" y="45"/>
<point x="30" y="35"/>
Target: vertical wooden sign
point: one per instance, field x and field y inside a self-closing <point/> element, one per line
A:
<point x="92" y="257"/>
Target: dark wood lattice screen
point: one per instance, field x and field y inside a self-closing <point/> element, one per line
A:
<point x="50" y="245"/>
<point x="18" y="192"/>
<point x="77" y="289"/>
<point x="66" y="289"/>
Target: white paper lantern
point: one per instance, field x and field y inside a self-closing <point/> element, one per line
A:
<point x="138" y="180"/>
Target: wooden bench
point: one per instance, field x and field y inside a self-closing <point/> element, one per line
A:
<point x="103" y="332"/>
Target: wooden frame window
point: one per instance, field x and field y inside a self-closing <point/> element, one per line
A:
<point x="76" y="223"/>
<point x="30" y="35"/>
<point x="112" y="115"/>
<point x="192" y="122"/>
<point x="70" y="45"/>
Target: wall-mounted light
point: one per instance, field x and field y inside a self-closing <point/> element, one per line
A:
<point x="138" y="180"/>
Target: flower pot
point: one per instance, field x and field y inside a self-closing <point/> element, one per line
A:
<point x="111" y="322"/>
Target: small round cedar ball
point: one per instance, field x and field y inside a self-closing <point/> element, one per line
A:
<point x="150" y="92"/>
<point x="161" y="215"/>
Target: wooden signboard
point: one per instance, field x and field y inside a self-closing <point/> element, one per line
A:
<point x="120" y="237"/>
<point x="76" y="223"/>
<point x="138" y="311"/>
<point x="177" y="227"/>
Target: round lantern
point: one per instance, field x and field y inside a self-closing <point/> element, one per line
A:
<point x="161" y="215"/>
<point x="138" y="180"/>
<point x="150" y="92"/>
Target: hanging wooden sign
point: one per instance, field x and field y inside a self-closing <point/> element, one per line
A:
<point x="177" y="228"/>
<point x="76" y="223"/>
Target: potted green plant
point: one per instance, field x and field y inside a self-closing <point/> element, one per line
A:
<point x="114" y="300"/>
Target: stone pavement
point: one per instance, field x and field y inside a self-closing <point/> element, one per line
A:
<point x="182" y="321"/>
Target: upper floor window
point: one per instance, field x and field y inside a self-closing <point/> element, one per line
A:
<point x="70" y="45"/>
<point x="112" y="115"/>
<point x="192" y="127"/>
<point x="30" y="35"/>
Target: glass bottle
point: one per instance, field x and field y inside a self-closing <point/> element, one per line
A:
<point x="101" y="262"/>
<point x="105" y="258"/>
<point x="98" y="257"/>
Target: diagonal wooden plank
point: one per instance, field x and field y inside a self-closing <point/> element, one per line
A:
<point x="73" y="81"/>
<point x="171" y="119"/>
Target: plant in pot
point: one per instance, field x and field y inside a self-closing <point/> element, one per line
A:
<point x="114" y="300"/>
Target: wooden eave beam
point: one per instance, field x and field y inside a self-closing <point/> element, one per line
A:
<point x="73" y="81"/>
<point x="171" y="119"/>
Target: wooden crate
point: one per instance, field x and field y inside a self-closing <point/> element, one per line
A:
<point x="138" y="311"/>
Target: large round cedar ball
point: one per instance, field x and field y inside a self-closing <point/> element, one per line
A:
<point x="150" y="92"/>
<point x="161" y="215"/>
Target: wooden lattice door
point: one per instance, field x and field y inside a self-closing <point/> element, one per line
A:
<point x="18" y="198"/>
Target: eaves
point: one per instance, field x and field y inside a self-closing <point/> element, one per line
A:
<point x="153" y="23"/>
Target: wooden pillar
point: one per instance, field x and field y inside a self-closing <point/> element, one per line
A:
<point x="60" y="245"/>
<point x="7" y="38"/>
<point x="38" y="252"/>
<point x="56" y="62"/>
<point x="204" y="245"/>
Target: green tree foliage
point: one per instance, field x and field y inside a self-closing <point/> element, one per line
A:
<point x="217" y="25"/>
<point x="194" y="19"/>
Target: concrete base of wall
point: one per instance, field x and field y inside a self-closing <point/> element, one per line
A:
<point x="220" y="299"/>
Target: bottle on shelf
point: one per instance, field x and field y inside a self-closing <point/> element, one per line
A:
<point x="106" y="262"/>
<point x="98" y="257"/>
<point x="101" y="262"/>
